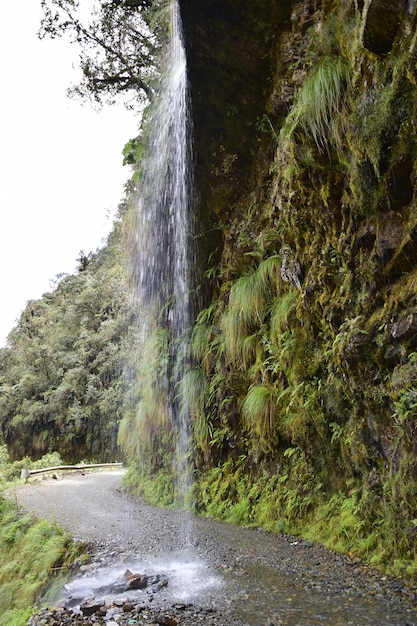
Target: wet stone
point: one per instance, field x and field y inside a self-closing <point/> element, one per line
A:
<point x="89" y="607"/>
<point x="135" y="581"/>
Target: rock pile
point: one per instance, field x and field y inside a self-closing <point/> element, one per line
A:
<point x="75" y="597"/>
<point x="126" y="599"/>
<point x="125" y="614"/>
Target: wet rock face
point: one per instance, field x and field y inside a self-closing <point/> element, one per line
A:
<point x="381" y="27"/>
<point x="231" y="53"/>
<point x="228" y="45"/>
<point x="390" y="234"/>
<point x="230" y="48"/>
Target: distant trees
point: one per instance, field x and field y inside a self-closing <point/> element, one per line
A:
<point x="117" y="42"/>
<point x="61" y="378"/>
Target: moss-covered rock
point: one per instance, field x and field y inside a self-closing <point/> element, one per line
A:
<point x="312" y="333"/>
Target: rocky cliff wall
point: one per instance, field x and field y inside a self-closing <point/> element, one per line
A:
<point x="305" y="377"/>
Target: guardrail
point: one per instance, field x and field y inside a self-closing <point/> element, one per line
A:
<point x="26" y="473"/>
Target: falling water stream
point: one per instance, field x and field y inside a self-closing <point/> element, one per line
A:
<point x="163" y="255"/>
<point x="164" y="265"/>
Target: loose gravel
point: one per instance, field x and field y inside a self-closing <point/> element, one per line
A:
<point x="244" y="577"/>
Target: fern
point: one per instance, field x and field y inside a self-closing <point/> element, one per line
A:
<point x="249" y="304"/>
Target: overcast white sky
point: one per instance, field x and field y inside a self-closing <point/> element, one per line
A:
<point x="61" y="174"/>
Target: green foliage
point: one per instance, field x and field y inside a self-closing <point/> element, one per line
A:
<point x="282" y="312"/>
<point x="134" y="153"/>
<point x="259" y="408"/>
<point x="16" y="617"/>
<point x="147" y="431"/>
<point x="194" y="389"/>
<point x="33" y="554"/>
<point x="276" y="501"/>
<point x="118" y="45"/>
<point x="249" y="303"/>
<point x="10" y="471"/>
<point x="157" y="489"/>
<point x="147" y="414"/>
<point x="316" y="111"/>
<point x="60" y="375"/>
<point x="376" y="108"/>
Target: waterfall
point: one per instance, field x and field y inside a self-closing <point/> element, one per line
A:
<point x="162" y="264"/>
<point x="164" y="260"/>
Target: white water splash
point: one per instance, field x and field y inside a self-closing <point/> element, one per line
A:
<point x="189" y="579"/>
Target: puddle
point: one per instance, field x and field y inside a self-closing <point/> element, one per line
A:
<point x="263" y="595"/>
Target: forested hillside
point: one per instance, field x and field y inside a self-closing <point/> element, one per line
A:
<point x="302" y="376"/>
<point x="62" y="385"/>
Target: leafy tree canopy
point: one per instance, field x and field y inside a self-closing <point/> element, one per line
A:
<point x="118" y="41"/>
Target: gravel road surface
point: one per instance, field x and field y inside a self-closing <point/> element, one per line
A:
<point x="219" y="574"/>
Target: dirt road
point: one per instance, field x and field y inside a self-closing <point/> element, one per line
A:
<point x="94" y="508"/>
<point x="265" y="578"/>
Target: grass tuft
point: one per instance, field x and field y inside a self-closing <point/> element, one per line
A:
<point x="33" y="553"/>
<point x="259" y="409"/>
<point x="318" y="105"/>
